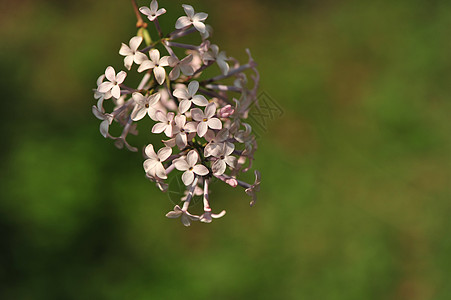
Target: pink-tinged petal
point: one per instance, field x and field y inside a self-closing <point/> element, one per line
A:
<point x="154" y="5"/>
<point x="182" y="22"/>
<point x="181" y="164"/>
<point x="185" y="220"/>
<point x="149" y="164"/>
<point x="223" y="66"/>
<point x="164" y="153"/>
<point x="146" y="65"/>
<point x="159" y="127"/>
<point x="231" y="161"/>
<point x="187" y="69"/>
<point x="154" y="55"/>
<point x="197" y="114"/>
<point x="150" y="152"/>
<point x="160" y="171"/>
<point x="138" y="113"/>
<point x="228" y="148"/>
<point x="187" y="60"/>
<point x="189" y="10"/>
<point x="175" y="73"/>
<point x="139" y="58"/>
<point x="181" y="140"/>
<point x="210" y="136"/>
<point x="199" y="26"/>
<point x="192" y="157"/>
<point x="181" y="93"/>
<point x="180" y="121"/>
<point x="210" y="110"/>
<point x="173" y="214"/>
<point x="152" y="112"/>
<point x="200" y="17"/>
<point x="223" y="135"/>
<point x="160" y="12"/>
<point x="105" y="87"/>
<point x="191" y="127"/>
<point x="219" y="167"/>
<point x="200" y="170"/>
<point x="169" y="143"/>
<point x="110" y="74"/>
<point x="104" y="127"/>
<point x="128" y="62"/>
<point x="200" y="100"/>
<point x="160" y="74"/>
<point x="202" y="129"/>
<point x="193" y="86"/>
<point x="145" y="10"/>
<point x="121" y="77"/>
<point x="214" y="123"/>
<point x="161" y="116"/>
<point x="168" y="131"/>
<point x="96" y="112"/>
<point x="188" y="177"/>
<point x="171" y="116"/>
<point x="184" y="106"/>
<point x="153" y="99"/>
<point x="125" y="50"/>
<point x="164" y="61"/>
<point x="116" y="91"/>
<point x="135" y="42"/>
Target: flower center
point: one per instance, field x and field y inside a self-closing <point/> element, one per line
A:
<point x="147" y="105"/>
<point x="222" y="157"/>
<point x="191" y="168"/>
<point x="205" y="119"/>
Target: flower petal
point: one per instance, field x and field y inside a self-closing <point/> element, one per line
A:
<point x="145" y="10"/>
<point x="182" y="22"/>
<point x="214" y="123"/>
<point x="184" y="106"/>
<point x="181" y="140"/>
<point x="200" y="170"/>
<point x="138" y="113"/>
<point x="210" y="110"/>
<point x="180" y="121"/>
<point x="188" y="177"/>
<point x="192" y="157"/>
<point x="202" y="129"/>
<point x="218" y="167"/>
<point x="200" y="16"/>
<point x="181" y="93"/>
<point x="160" y="74"/>
<point x="146" y="65"/>
<point x="139" y="58"/>
<point x="105" y="87"/>
<point x="200" y="100"/>
<point x="110" y="74"/>
<point x="160" y="171"/>
<point x="193" y="86"/>
<point x="121" y="77"/>
<point x="197" y="114"/>
<point x="150" y="152"/>
<point x="135" y="42"/>
<point x="154" y="55"/>
<point x="159" y="127"/>
<point x="189" y="10"/>
<point x="181" y="164"/>
<point x="125" y="50"/>
<point x="116" y="91"/>
<point x="199" y="26"/>
<point x="128" y="61"/>
<point x="164" y="153"/>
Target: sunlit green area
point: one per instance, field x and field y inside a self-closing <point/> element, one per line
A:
<point x="355" y="201"/>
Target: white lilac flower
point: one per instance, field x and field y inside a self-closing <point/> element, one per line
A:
<point x="245" y="137"/>
<point x="190" y="166"/>
<point x="224" y="158"/>
<point x="156" y="63"/>
<point x="131" y="52"/>
<point x="253" y="189"/>
<point x="143" y="105"/>
<point x="183" y="65"/>
<point x="183" y="130"/>
<point x="188" y="96"/>
<point x="154" y="164"/>
<point x="215" y="141"/>
<point x="97" y="94"/>
<point x="166" y="123"/>
<point x="220" y="58"/>
<point x="206" y="120"/>
<point x="186" y="217"/>
<point x="152" y="12"/>
<point x="192" y="18"/>
<point x="107" y="119"/>
<point x="113" y="83"/>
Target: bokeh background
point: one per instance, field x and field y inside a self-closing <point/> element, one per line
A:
<point x="355" y="199"/>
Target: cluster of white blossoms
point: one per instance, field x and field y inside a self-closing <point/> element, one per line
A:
<point x="201" y="121"/>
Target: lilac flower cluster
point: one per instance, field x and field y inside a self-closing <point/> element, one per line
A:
<point x="201" y="120"/>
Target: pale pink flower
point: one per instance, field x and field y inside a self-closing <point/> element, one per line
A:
<point x="188" y="96"/>
<point x="215" y="141"/>
<point x="107" y="119"/>
<point x="166" y="123"/>
<point x="186" y="217"/>
<point x="183" y="131"/>
<point x="143" y="105"/>
<point x="220" y="58"/>
<point x="156" y="63"/>
<point x="206" y="120"/>
<point x="224" y="158"/>
<point x="98" y="95"/>
<point x="192" y="18"/>
<point x="190" y="166"/>
<point x="131" y="52"/>
<point x="152" y="12"/>
<point x="113" y="82"/>
<point x="154" y="164"/>
<point x="183" y="65"/>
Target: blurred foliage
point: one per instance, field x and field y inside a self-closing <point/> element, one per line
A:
<point x="355" y="199"/>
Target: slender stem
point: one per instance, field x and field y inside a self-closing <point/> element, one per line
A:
<point x="157" y="26"/>
<point x="140" y="23"/>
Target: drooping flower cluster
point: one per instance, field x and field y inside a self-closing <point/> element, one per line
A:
<point x="200" y="119"/>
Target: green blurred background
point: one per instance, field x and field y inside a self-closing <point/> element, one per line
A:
<point x="355" y="198"/>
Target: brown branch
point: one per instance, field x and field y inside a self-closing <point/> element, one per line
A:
<point x="140" y="23"/>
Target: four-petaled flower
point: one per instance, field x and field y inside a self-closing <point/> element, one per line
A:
<point x="156" y="63"/>
<point x="190" y="166"/>
<point x="166" y="123"/>
<point x="183" y="65"/>
<point x="188" y="96"/>
<point x="152" y="12"/>
<point x="186" y="217"/>
<point x="113" y="83"/>
<point x="224" y="157"/>
<point x="143" y="105"/>
<point x="131" y="52"/>
<point x="192" y="19"/>
<point x="220" y="58"/>
<point x="154" y="164"/>
<point x="206" y="119"/>
<point x="215" y="141"/>
<point x="183" y="130"/>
